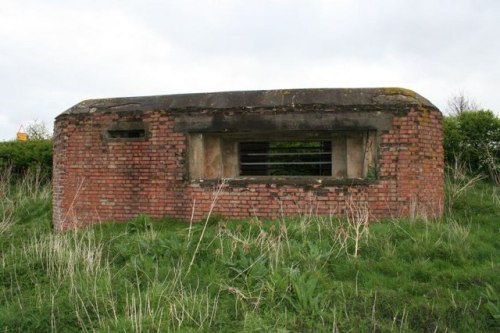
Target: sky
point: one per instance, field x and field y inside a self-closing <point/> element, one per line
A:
<point x="56" y="53"/>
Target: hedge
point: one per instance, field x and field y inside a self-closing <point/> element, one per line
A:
<point x="27" y="156"/>
<point x="472" y="139"/>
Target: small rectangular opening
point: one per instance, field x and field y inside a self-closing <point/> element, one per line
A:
<point x="285" y="158"/>
<point x="127" y="134"/>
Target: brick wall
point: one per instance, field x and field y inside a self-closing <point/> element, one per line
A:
<point x="410" y="181"/>
<point x="97" y="179"/>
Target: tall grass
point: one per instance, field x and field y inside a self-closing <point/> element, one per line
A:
<point x="18" y="194"/>
<point x="308" y="273"/>
<point x="6" y="203"/>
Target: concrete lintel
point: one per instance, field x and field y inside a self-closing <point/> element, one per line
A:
<point x="219" y="123"/>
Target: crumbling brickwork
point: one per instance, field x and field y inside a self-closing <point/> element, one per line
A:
<point x="117" y="158"/>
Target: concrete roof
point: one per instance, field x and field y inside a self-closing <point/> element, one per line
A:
<point x="329" y="97"/>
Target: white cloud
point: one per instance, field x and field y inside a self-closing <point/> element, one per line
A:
<point x="54" y="53"/>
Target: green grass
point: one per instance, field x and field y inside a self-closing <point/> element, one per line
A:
<point x="298" y="274"/>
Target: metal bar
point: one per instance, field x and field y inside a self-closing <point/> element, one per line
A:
<point x="285" y="163"/>
<point x="285" y="154"/>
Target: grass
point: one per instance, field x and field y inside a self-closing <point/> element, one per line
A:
<point x="306" y="273"/>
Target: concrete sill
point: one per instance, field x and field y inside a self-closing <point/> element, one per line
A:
<point x="285" y="180"/>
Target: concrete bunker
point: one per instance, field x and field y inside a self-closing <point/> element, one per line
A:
<point x="279" y="152"/>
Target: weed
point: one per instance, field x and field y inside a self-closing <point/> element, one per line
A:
<point x="457" y="187"/>
<point x="492" y="301"/>
<point x="305" y="273"/>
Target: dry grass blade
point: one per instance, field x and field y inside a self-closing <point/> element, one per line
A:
<point x="6" y="215"/>
<point x="215" y="197"/>
<point x="357" y="215"/>
<point x="457" y="188"/>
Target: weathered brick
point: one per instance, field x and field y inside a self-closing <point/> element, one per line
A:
<point x="97" y="180"/>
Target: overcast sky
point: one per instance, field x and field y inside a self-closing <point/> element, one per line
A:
<point x="55" y="53"/>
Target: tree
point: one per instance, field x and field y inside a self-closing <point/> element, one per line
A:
<point x="460" y="103"/>
<point x="472" y="140"/>
<point x="37" y="130"/>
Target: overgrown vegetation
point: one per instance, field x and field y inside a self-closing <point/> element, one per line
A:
<point x="28" y="156"/>
<point x="472" y="143"/>
<point x="34" y="155"/>
<point x="308" y="273"/>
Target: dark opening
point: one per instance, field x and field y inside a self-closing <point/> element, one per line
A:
<point x="286" y="158"/>
<point x="129" y="134"/>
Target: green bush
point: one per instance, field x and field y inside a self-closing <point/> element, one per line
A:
<point x="27" y="156"/>
<point x="472" y="140"/>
